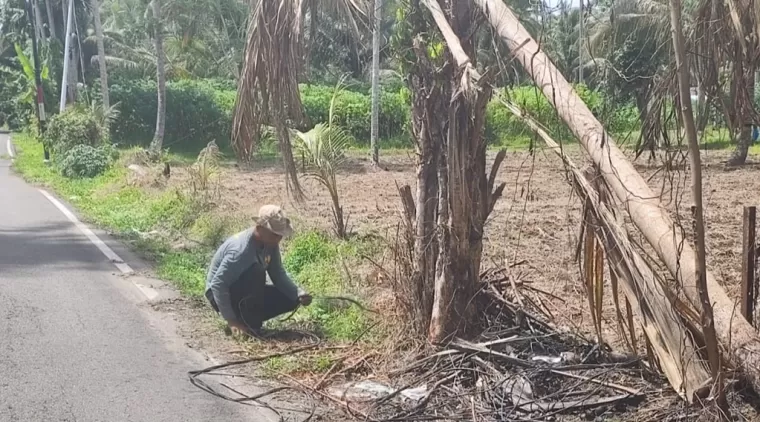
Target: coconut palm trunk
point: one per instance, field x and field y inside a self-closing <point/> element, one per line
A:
<point x="95" y="4"/>
<point x="51" y="18"/>
<point x="158" y="136"/>
<point x="645" y="209"/>
<point x="376" y="80"/>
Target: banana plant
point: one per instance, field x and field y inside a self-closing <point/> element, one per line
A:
<point x="28" y="96"/>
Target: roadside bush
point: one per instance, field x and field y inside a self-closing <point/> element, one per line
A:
<point x="353" y="111"/>
<point x="197" y="112"/>
<point x="75" y="126"/>
<point x="85" y="161"/>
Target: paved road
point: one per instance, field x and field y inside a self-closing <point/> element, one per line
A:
<point x="74" y="343"/>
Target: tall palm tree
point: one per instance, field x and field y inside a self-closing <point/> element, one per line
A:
<point x="158" y="137"/>
<point x="376" y="33"/>
<point x="268" y="86"/>
<point x="95" y="5"/>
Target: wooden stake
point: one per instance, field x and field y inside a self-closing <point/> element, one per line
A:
<point x="749" y="290"/>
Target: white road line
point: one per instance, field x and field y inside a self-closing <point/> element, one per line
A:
<point x="9" y="146"/>
<point x="149" y="292"/>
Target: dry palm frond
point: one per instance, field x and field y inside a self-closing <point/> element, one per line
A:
<point x="653" y="303"/>
<point x="268" y="87"/>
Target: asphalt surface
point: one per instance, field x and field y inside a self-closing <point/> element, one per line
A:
<point x="75" y="344"/>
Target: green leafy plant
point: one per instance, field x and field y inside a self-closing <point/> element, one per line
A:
<point x="85" y="161"/>
<point x="75" y="126"/>
<point x="323" y="152"/>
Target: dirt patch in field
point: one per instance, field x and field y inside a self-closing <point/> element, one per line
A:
<point x="533" y="228"/>
<point x="535" y="225"/>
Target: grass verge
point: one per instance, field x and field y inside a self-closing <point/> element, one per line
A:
<point x="155" y="220"/>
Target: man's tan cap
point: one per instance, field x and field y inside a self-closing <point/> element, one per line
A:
<point x="273" y="218"/>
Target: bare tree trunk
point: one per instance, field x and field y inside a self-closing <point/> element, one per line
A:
<point x="38" y="20"/>
<point x="95" y="4"/>
<point x="376" y="32"/>
<point x="744" y="79"/>
<point x="50" y="18"/>
<point x="158" y="137"/>
<point x="465" y="197"/>
<point x="646" y="211"/>
<point x="708" y="323"/>
<point x="427" y="132"/>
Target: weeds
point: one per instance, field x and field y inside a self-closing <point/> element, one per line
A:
<point x="153" y="221"/>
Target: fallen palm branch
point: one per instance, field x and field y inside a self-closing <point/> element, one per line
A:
<point x="652" y="303"/>
<point x="735" y="333"/>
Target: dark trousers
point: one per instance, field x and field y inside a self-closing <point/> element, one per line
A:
<point x="255" y="302"/>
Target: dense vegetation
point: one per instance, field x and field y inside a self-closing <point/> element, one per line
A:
<point x="204" y="51"/>
<point x="620" y="67"/>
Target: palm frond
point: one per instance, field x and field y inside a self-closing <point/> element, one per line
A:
<point x="268" y="87"/>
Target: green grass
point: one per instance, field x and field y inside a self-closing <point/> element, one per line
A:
<point x="315" y="260"/>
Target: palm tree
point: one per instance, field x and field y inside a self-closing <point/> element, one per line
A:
<point x="158" y="137"/>
<point x="268" y="86"/>
<point x="376" y="30"/>
<point x="322" y="149"/>
<point x="95" y="5"/>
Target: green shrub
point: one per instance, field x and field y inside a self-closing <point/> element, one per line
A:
<point x="501" y="125"/>
<point x="84" y="161"/>
<point x="307" y="248"/>
<point x="197" y="112"/>
<point x="75" y="126"/>
<point x="353" y="111"/>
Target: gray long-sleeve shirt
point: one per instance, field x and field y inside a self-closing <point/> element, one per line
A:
<point x="241" y="254"/>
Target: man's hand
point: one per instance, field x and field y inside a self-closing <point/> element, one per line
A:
<point x="304" y="299"/>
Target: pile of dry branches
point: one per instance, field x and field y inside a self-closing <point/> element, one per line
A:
<point x="521" y="367"/>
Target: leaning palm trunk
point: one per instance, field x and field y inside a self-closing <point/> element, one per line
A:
<point x="268" y="87"/>
<point x="158" y="137"/>
<point x="645" y="210"/>
<point x="95" y="4"/>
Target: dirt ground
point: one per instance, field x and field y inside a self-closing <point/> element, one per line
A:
<point x="535" y="225"/>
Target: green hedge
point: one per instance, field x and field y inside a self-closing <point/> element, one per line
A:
<point x="196" y="113"/>
<point x="200" y="111"/>
<point x="501" y="125"/>
<point x="353" y="111"/>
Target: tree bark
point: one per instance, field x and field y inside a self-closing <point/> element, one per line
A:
<point x="38" y="20"/>
<point x="708" y="323"/>
<point x="744" y="140"/>
<point x="95" y="4"/>
<point x="51" y="18"/>
<point x="376" y="32"/>
<point x="646" y="211"/>
<point x="158" y="137"/>
<point x="464" y="196"/>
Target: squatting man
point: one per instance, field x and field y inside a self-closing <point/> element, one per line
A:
<point x="236" y="284"/>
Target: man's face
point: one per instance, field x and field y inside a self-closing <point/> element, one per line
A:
<point x="267" y="237"/>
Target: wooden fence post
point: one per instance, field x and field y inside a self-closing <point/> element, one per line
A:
<point x="749" y="289"/>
